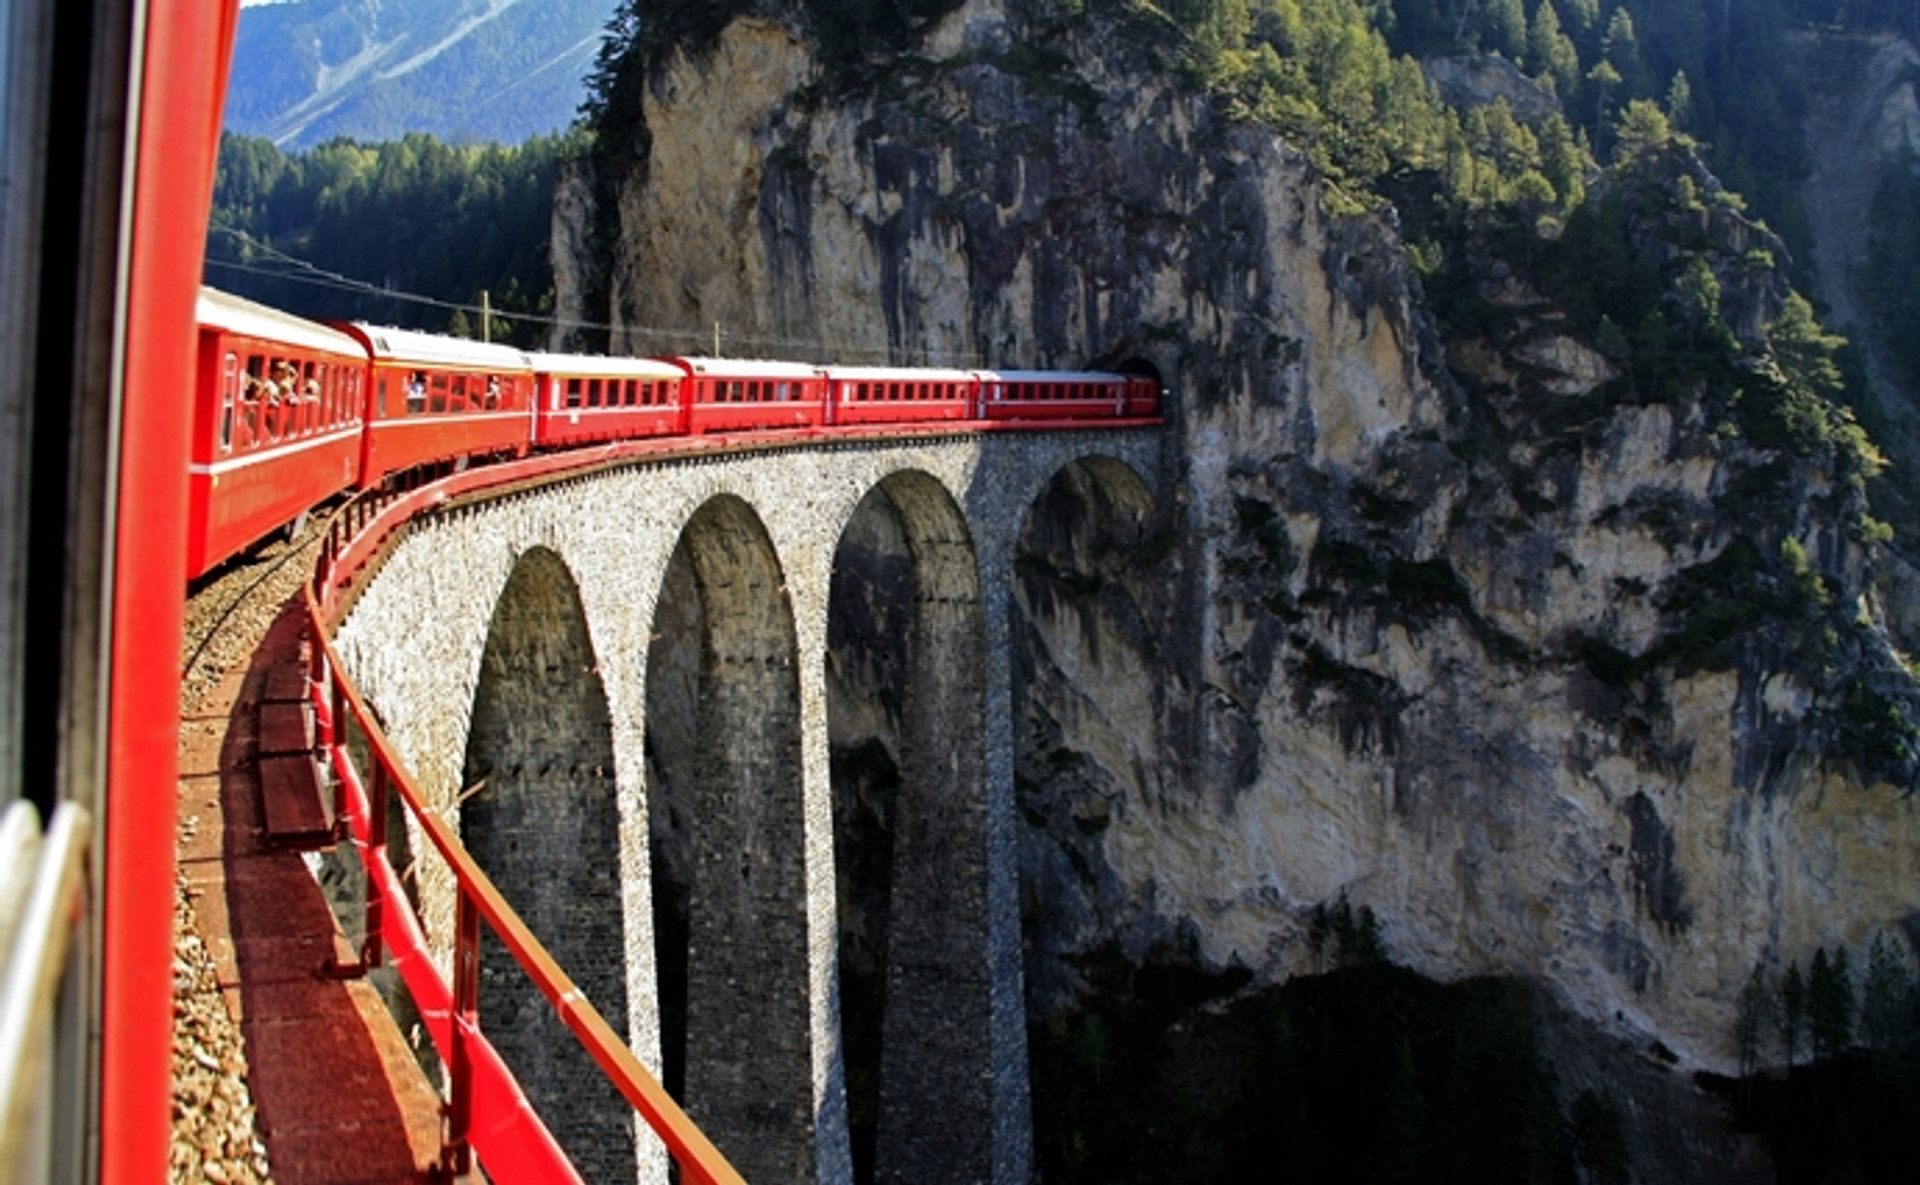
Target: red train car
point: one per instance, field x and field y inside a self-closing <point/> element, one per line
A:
<point x="1051" y="394"/>
<point x="436" y="398"/>
<point x="582" y="398"/>
<point x="1142" y="396"/>
<point x="885" y="395"/>
<point x="738" y="395"/>
<point x="276" y="423"/>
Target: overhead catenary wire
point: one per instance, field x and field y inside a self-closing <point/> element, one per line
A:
<point x="295" y="270"/>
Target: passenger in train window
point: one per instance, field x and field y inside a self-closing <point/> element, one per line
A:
<point x="493" y="392"/>
<point x="416" y="393"/>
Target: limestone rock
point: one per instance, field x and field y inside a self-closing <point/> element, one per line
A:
<point x="1412" y="639"/>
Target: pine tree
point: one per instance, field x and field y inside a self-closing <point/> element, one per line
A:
<point x="1562" y="161"/>
<point x="1620" y="44"/>
<point x="1643" y="131"/>
<point x="1604" y="78"/>
<point x="1886" y="1011"/>
<point x="1585" y="14"/>
<point x="1506" y="27"/>
<point x="1551" y="50"/>
<point x="1757" y="1016"/>
<point x="1793" y="1012"/>
<point x="1830" y="1003"/>
<point x="1680" y="101"/>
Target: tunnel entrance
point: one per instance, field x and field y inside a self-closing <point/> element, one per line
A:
<point x="905" y="655"/>
<point x="727" y="844"/>
<point x="541" y="819"/>
<point x="1141" y="368"/>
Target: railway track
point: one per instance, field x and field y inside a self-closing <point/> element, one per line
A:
<point x="215" y="1126"/>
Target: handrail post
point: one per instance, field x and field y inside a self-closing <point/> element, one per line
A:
<point x="338" y="699"/>
<point x="321" y="696"/>
<point x="376" y="847"/>
<point x="458" y="1153"/>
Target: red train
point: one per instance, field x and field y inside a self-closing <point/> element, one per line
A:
<point x="290" y="413"/>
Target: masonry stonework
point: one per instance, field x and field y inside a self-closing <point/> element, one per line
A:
<point x="762" y="530"/>
<point x="538" y="813"/>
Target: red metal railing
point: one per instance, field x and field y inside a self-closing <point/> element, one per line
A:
<point x="488" y="1113"/>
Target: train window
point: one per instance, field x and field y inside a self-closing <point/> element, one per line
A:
<point x="628" y="394"/>
<point x="575" y="391"/>
<point x="593" y="392"/>
<point x="309" y="397"/>
<point x="229" y="389"/>
<point x="417" y="393"/>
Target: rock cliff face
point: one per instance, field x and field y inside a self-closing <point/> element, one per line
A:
<point x="1464" y="631"/>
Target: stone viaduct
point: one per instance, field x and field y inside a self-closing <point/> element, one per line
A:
<point x="664" y="818"/>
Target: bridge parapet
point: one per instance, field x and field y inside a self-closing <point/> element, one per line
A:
<point x="416" y="640"/>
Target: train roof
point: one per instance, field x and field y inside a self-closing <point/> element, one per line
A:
<point x="1049" y="376"/>
<point x="408" y="345"/>
<point x="748" y="368"/>
<point x="599" y="364"/>
<point x="233" y="314"/>
<point x="914" y="374"/>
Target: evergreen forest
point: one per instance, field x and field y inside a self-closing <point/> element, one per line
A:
<point x="358" y="231"/>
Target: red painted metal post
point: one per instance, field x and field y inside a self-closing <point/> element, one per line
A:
<point x="180" y="87"/>
<point x="376" y="848"/>
<point x="458" y="1154"/>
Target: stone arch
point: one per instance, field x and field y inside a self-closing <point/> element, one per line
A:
<point x="541" y="818"/>
<point x="905" y="664"/>
<point x="727" y="844"/>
